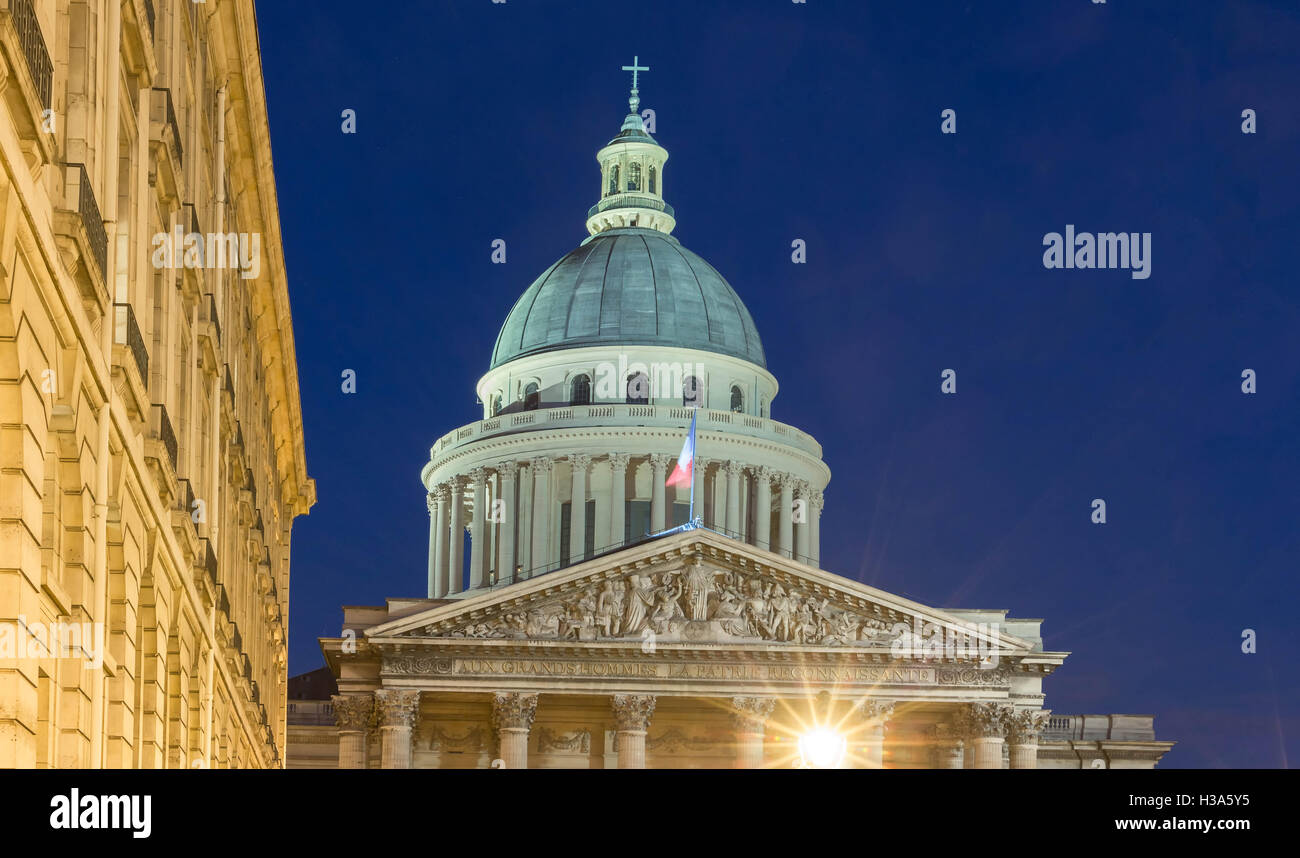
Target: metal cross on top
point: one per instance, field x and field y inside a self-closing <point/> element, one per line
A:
<point x="634" y="68"/>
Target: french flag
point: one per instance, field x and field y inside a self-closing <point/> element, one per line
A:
<point x="681" y="475"/>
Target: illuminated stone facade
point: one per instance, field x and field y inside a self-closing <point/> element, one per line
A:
<point x="151" y="447"/>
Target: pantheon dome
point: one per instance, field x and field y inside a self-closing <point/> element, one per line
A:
<point x="597" y="373"/>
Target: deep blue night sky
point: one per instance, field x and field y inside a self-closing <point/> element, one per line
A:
<point x="821" y="121"/>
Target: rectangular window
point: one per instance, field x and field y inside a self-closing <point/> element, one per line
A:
<point x="589" y="541"/>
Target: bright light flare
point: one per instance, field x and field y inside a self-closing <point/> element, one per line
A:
<point x="822" y="748"/>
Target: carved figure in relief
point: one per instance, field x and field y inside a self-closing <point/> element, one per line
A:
<point x="699" y="583"/>
<point x="609" y="609"/>
<point x="782" y="610"/>
<point x="666" y="607"/>
<point x="640" y="598"/>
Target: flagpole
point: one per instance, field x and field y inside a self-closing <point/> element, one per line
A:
<point x="690" y="513"/>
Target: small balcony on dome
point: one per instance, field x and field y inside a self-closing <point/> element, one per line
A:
<point x="631" y="209"/>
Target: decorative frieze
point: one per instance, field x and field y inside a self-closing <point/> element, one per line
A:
<point x="576" y="742"/>
<point x="473" y="739"/>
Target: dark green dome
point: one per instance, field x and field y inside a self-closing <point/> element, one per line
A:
<point x="629" y="287"/>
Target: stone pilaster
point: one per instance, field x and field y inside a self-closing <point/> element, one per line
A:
<point x="658" y="474"/>
<point x="617" y="497"/>
<point x="749" y="717"/>
<point x="763" y="508"/>
<point x="785" y="516"/>
<point x="441" y="575"/>
<point x="456" y="538"/>
<point x="579" y="464"/>
<point x="875" y="713"/>
<point x="354" y="716"/>
<point x="733" y="526"/>
<point x="543" y="466"/>
<point x="512" y="718"/>
<point x="801" y="526"/>
<point x="435" y="544"/>
<point x="632" y="714"/>
<point x="1023" y="729"/>
<point x="524" y="532"/>
<point x="396" y="710"/>
<point x="478" y="530"/>
<point x="508" y="473"/>
<point x="818" y="499"/>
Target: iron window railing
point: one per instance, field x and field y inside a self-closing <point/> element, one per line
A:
<point x="91" y="219"/>
<point x="207" y="559"/>
<point x="35" y="52"/>
<point x="126" y="332"/>
<point x="170" y="118"/>
<point x="162" y="430"/>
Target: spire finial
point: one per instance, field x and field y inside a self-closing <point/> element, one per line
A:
<point x="634" y="102"/>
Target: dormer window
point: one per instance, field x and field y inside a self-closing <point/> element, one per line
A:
<point x="634" y="177"/>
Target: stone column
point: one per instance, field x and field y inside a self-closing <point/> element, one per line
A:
<point x="542" y="468"/>
<point x="1023" y="729"/>
<point x="478" y="530"/>
<point x="698" y="470"/>
<point x="947" y="745"/>
<point x="396" y="710"/>
<point x="875" y="714"/>
<point x="632" y="716"/>
<point x="815" y="529"/>
<point x="579" y="463"/>
<point x="785" y="540"/>
<point x="801" y="526"/>
<point x="734" y="527"/>
<point x="524" y="538"/>
<point x="988" y="724"/>
<point x="441" y="575"/>
<point x="353" y="714"/>
<point x="763" y="508"/>
<point x="749" y="716"/>
<point x="435" y="544"/>
<point x="456" y="539"/>
<point x="658" y="474"/>
<point x="507" y="471"/>
<point x="617" y="497"/>
<point x="512" y="718"/>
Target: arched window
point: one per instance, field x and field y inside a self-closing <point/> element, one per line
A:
<point x="634" y="177"/>
<point x="762" y="407"/>
<point x="691" y="391"/>
<point x="737" y="399"/>
<point x="638" y="389"/>
<point x="613" y="180"/>
<point x="496" y="404"/>
<point x="580" y="391"/>
<point x="652" y="179"/>
<point x="531" y="397"/>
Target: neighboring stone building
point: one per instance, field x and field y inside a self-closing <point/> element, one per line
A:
<point x="151" y="447"/>
<point x="585" y="631"/>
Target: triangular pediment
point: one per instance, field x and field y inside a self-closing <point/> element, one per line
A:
<point x="698" y="587"/>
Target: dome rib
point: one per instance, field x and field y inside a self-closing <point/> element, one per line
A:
<point x="645" y="292"/>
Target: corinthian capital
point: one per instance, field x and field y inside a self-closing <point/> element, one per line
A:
<point x="633" y="711"/>
<point x="1025" y="725"/>
<point x="478" y="476"/>
<point x="543" y="464"/>
<point x="659" y="461"/>
<point x="508" y="469"/>
<point x="513" y="710"/>
<point x="431" y="501"/>
<point x="396" y="707"/>
<point x="875" y="710"/>
<point x="734" y="468"/>
<point x="986" y="720"/>
<point x="353" y="712"/>
<point x="618" y="461"/>
<point x="580" y="462"/>
<point x="749" y="714"/>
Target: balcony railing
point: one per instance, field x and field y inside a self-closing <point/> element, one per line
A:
<point x="169" y="116"/>
<point x="127" y="333"/>
<point x="209" y="309"/>
<point x="631" y="201"/>
<point x="151" y="15"/>
<point x="185" y="496"/>
<point x="91" y="219"/>
<point x="206" y="559"/>
<point x="160" y="427"/>
<point x="35" y="52"/>
<point x="192" y="219"/>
